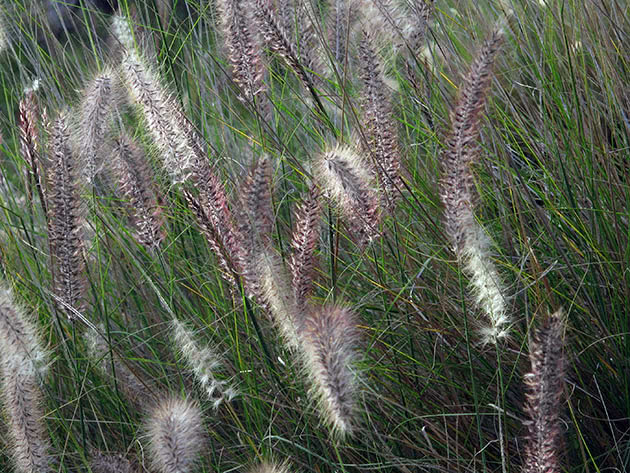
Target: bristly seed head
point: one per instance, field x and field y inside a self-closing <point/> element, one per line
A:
<point x="457" y="192"/>
<point x="66" y="224"/>
<point x="176" y="435"/>
<point x="22" y="365"/>
<point x="344" y="176"/>
<point x="329" y="338"/>
<point x="545" y="394"/>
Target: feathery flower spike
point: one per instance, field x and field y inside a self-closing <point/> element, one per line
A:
<point x="176" y="435"/>
<point x="203" y="362"/>
<point x="457" y="192"/>
<point x="134" y="179"/>
<point x="161" y="112"/>
<point x="380" y="128"/>
<point x="304" y="242"/>
<point x="545" y="394"/>
<point x="66" y="223"/>
<point x="110" y="463"/>
<point x="244" y="46"/>
<point x="95" y="111"/>
<point x="271" y="467"/>
<point x="22" y="363"/>
<point x="30" y="143"/>
<point x="329" y="339"/>
<point x="342" y="173"/>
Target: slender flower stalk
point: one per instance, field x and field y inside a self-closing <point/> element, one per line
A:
<point x="304" y="242"/>
<point x="204" y="363"/>
<point x="329" y="339"/>
<point x="545" y="395"/>
<point x="175" y="435"/>
<point x="96" y="109"/>
<point x="342" y="173"/>
<point x="22" y="365"/>
<point x="135" y="185"/>
<point x="380" y="128"/>
<point x="457" y="192"/>
<point x="66" y="224"/>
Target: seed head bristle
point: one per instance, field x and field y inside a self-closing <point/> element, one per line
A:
<point x="380" y="128"/>
<point x="30" y="143"/>
<point x="343" y="16"/>
<point x="227" y="262"/>
<point x="66" y="223"/>
<point x="110" y="463"/>
<point x="176" y="436"/>
<point x="273" y="291"/>
<point x="329" y="338"/>
<point x="304" y="242"/>
<point x="545" y="395"/>
<point x="469" y="240"/>
<point x="279" y="40"/>
<point x="244" y="46"/>
<point x="21" y="346"/>
<point x="342" y="173"/>
<point x="204" y="363"/>
<point x="457" y="187"/>
<point x="272" y="467"/>
<point x="258" y="202"/>
<point x="161" y="112"/>
<point x="96" y="108"/>
<point x="136" y="186"/>
<point x="22" y="365"/>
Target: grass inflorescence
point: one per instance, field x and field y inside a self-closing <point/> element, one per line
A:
<point x="243" y="232"/>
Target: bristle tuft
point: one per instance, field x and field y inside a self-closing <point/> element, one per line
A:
<point x="176" y="435"/>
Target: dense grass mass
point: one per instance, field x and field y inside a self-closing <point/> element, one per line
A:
<point x="331" y="235"/>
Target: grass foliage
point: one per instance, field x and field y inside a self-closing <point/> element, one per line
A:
<point x="345" y="246"/>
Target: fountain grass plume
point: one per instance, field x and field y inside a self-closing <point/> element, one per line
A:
<point x="329" y="338"/>
<point x="175" y="435"/>
<point x="241" y="36"/>
<point x="304" y="242"/>
<point x="545" y="395"/>
<point x="30" y="142"/>
<point x="470" y="243"/>
<point x="273" y="291"/>
<point x="22" y="365"/>
<point x="279" y="40"/>
<point x="136" y="186"/>
<point x="160" y="110"/>
<point x="96" y="108"/>
<point x="380" y="129"/>
<point x="66" y="222"/>
<point x="343" y="175"/>
<point x="21" y="345"/>
<point x="272" y="467"/>
<point x="258" y="203"/>
<point x="204" y="363"/>
<point x="110" y="463"/>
